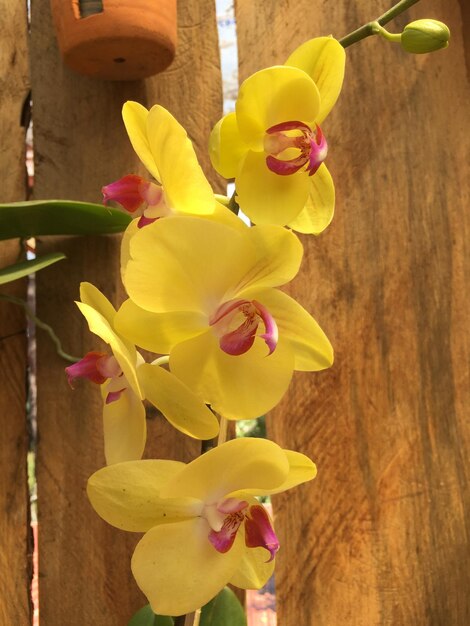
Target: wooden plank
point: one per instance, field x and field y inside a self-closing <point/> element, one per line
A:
<point x="80" y="145"/>
<point x="382" y="535"/>
<point x="15" y="557"/>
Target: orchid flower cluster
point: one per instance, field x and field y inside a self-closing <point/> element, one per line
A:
<point x="204" y="296"/>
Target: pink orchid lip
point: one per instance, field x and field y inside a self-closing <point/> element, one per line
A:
<point x="259" y="532"/>
<point x="134" y="193"/>
<point x="225" y="519"/>
<point x="87" y="368"/>
<point x="311" y="144"/>
<point x="127" y="191"/>
<point x="98" y="367"/>
<point x="240" y="340"/>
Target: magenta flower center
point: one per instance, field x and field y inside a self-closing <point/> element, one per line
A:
<point x="236" y="324"/>
<point x="294" y="145"/>
<point x="226" y="518"/>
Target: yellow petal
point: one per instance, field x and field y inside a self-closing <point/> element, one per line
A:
<point x="323" y="59"/>
<point x="279" y="257"/>
<point x="135" y="120"/>
<point x="184" y="184"/>
<point x="226" y="147"/>
<point x="181" y="407"/>
<point x="185" y="264"/>
<point x="266" y="197"/>
<point x="224" y="216"/>
<point x="158" y="332"/>
<point x="237" y="465"/>
<point x="319" y="209"/>
<point x="130" y="231"/>
<point x="126" y="495"/>
<point x="301" y="470"/>
<point x="308" y="342"/>
<point x="92" y="296"/>
<point x="220" y="214"/>
<point x="125" y="429"/>
<point x="124" y="351"/>
<point x="271" y="96"/>
<point x="253" y="571"/>
<point x="238" y="387"/>
<point x="178" y="569"/>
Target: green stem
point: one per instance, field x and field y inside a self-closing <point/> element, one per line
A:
<point x="371" y="27"/>
<point x="40" y="324"/>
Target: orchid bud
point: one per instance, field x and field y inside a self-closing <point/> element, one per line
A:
<point x="424" y="36"/>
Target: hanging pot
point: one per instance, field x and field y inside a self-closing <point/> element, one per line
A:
<point x="116" y="39"/>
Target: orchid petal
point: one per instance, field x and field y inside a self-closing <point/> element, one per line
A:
<point x="226" y="147"/>
<point x="224" y="216"/>
<point x="239" y="464"/>
<point x="238" y="387"/>
<point x="130" y="231"/>
<point x="181" y="407"/>
<point x="266" y="197"/>
<point x="201" y="260"/>
<point x="135" y="120"/>
<point x="174" y="155"/>
<point x="253" y="571"/>
<point x="279" y="254"/>
<point x="301" y="470"/>
<point x="323" y="59"/>
<point x="125" y="428"/>
<point x="125" y="352"/>
<point x="92" y="296"/>
<point x="178" y="569"/>
<point x="272" y="96"/>
<point x="297" y="327"/>
<point x="127" y="495"/>
<point x="158" y="332"/>
<point x="319" y="209"/>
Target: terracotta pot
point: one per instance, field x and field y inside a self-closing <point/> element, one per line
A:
<point x="127" y="40"/>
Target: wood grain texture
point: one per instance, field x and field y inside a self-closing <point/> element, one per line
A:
<point x="80" y="145"/>
<point x="15" y="557"/>
<point x="381" y="537"/>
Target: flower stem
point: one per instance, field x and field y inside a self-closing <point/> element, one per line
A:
<point x="40" y="324"/>
<point x="371" y="27"/>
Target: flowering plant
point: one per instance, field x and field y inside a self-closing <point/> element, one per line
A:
<point x="205" y="296"/>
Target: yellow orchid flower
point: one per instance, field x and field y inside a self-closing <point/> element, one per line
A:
<point x="205" y="294"/>
<point x="204" y="528"/>
<point x="273" y="144"/>
<point x="126" y="380"/>
<point x="163" y="146"/>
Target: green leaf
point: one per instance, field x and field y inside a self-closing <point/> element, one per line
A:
<point x="19" y="270"/>
<point x="224" y="610"/>
<point x="146" y="617"/>
<point x="59" y="217"/>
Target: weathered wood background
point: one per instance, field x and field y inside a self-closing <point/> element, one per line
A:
<point x="382" y="537"/>
<point x="15" y="544"/>
<point x="383" y="532"/>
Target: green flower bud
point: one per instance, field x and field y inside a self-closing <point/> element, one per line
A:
<point x="424" y="36"/>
